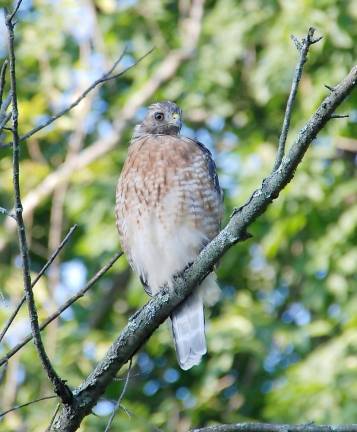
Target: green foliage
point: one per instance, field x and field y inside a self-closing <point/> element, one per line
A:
<point x="282" y="339"/>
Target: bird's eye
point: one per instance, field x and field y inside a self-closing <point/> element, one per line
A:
<point x="159" y="116"/>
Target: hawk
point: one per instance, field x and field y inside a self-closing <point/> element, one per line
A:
<point x="168" y="207"/>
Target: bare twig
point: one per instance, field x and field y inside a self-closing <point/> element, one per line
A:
<point x="14" y="12"/>
<point x="42" y="271"/>
<point x="303" y="48"/>
<point x="106" y="77"/>
<point x="60" y="388"/>
<point x="4" y="117"/>
<point x="339" y="116"/>
<point x="124" y="378"/>
<point x="119" y="283"/>
<point x="5" y="105"/>
<point x="329" y="88"/>
<point x="147" y="319"/>
<point x="2" y="79"/>
<point x="118" y="403"/>
<point x="4" y="120"/>
<point x="5" y="145"/>
<point x="53" y="417"/>
<point x="65" y="306"/>
<point x="265" y="427"/>
<point x="25" y="405"/>
<point x="6" y="212"/>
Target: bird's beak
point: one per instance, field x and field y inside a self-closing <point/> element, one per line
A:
<point x="176" y="120"/>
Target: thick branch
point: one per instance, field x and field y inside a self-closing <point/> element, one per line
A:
<point x="59" y="386"/>
<point x="62" y="308"/>
<point x="42" y="271"/>
<point x="146" y="320"/>
<point x="265" y="427"/>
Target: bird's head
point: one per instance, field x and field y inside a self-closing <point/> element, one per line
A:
<point x="163" y="118"/>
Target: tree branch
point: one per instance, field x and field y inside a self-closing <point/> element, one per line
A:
<point x="60" y="387"/>
<point x="303" y="47"/>
<point x="15" y="408"/>
<point x="42" y="271"/>
<point x="4" y="120"/>
<point x="339" y="116"/>
<point x="8" y="213"/>
<point x="265" y="427"/>
<point x="117" y="405"/>
<point x="14" y="12"/>
<point x="105" y="77"/>
<point x="62" y="308"/>
<point x="2" y="79"/>
<point x="147" y="319"/>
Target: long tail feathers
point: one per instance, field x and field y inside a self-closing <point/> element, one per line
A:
<point x="188" y="327"/>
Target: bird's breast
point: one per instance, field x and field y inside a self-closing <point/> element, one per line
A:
<point x="156" y="177"/>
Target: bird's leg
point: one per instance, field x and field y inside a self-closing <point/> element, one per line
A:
<point x="145" y="285"/>
<point x="179" y="273"/>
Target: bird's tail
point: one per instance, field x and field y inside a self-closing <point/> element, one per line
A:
<point x="188" y="327"/>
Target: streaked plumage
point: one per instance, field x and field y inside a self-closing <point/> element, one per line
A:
<point x="168" y="207"/>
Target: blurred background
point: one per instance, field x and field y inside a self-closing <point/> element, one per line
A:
<point x="282" y="340"/>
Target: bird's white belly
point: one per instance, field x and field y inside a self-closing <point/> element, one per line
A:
<point x="158" y="251"/>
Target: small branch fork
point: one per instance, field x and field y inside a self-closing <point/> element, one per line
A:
<point x="303" y="47"/>
<point x="60" y="388"/>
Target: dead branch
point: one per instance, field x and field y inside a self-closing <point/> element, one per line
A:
<point x="60" y="388"/>
<point x="303" y="47"/>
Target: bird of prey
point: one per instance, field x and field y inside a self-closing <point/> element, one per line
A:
<point x="168" y="207"/>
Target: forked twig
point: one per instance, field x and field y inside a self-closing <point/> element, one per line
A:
<point x="303" y="47"/>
